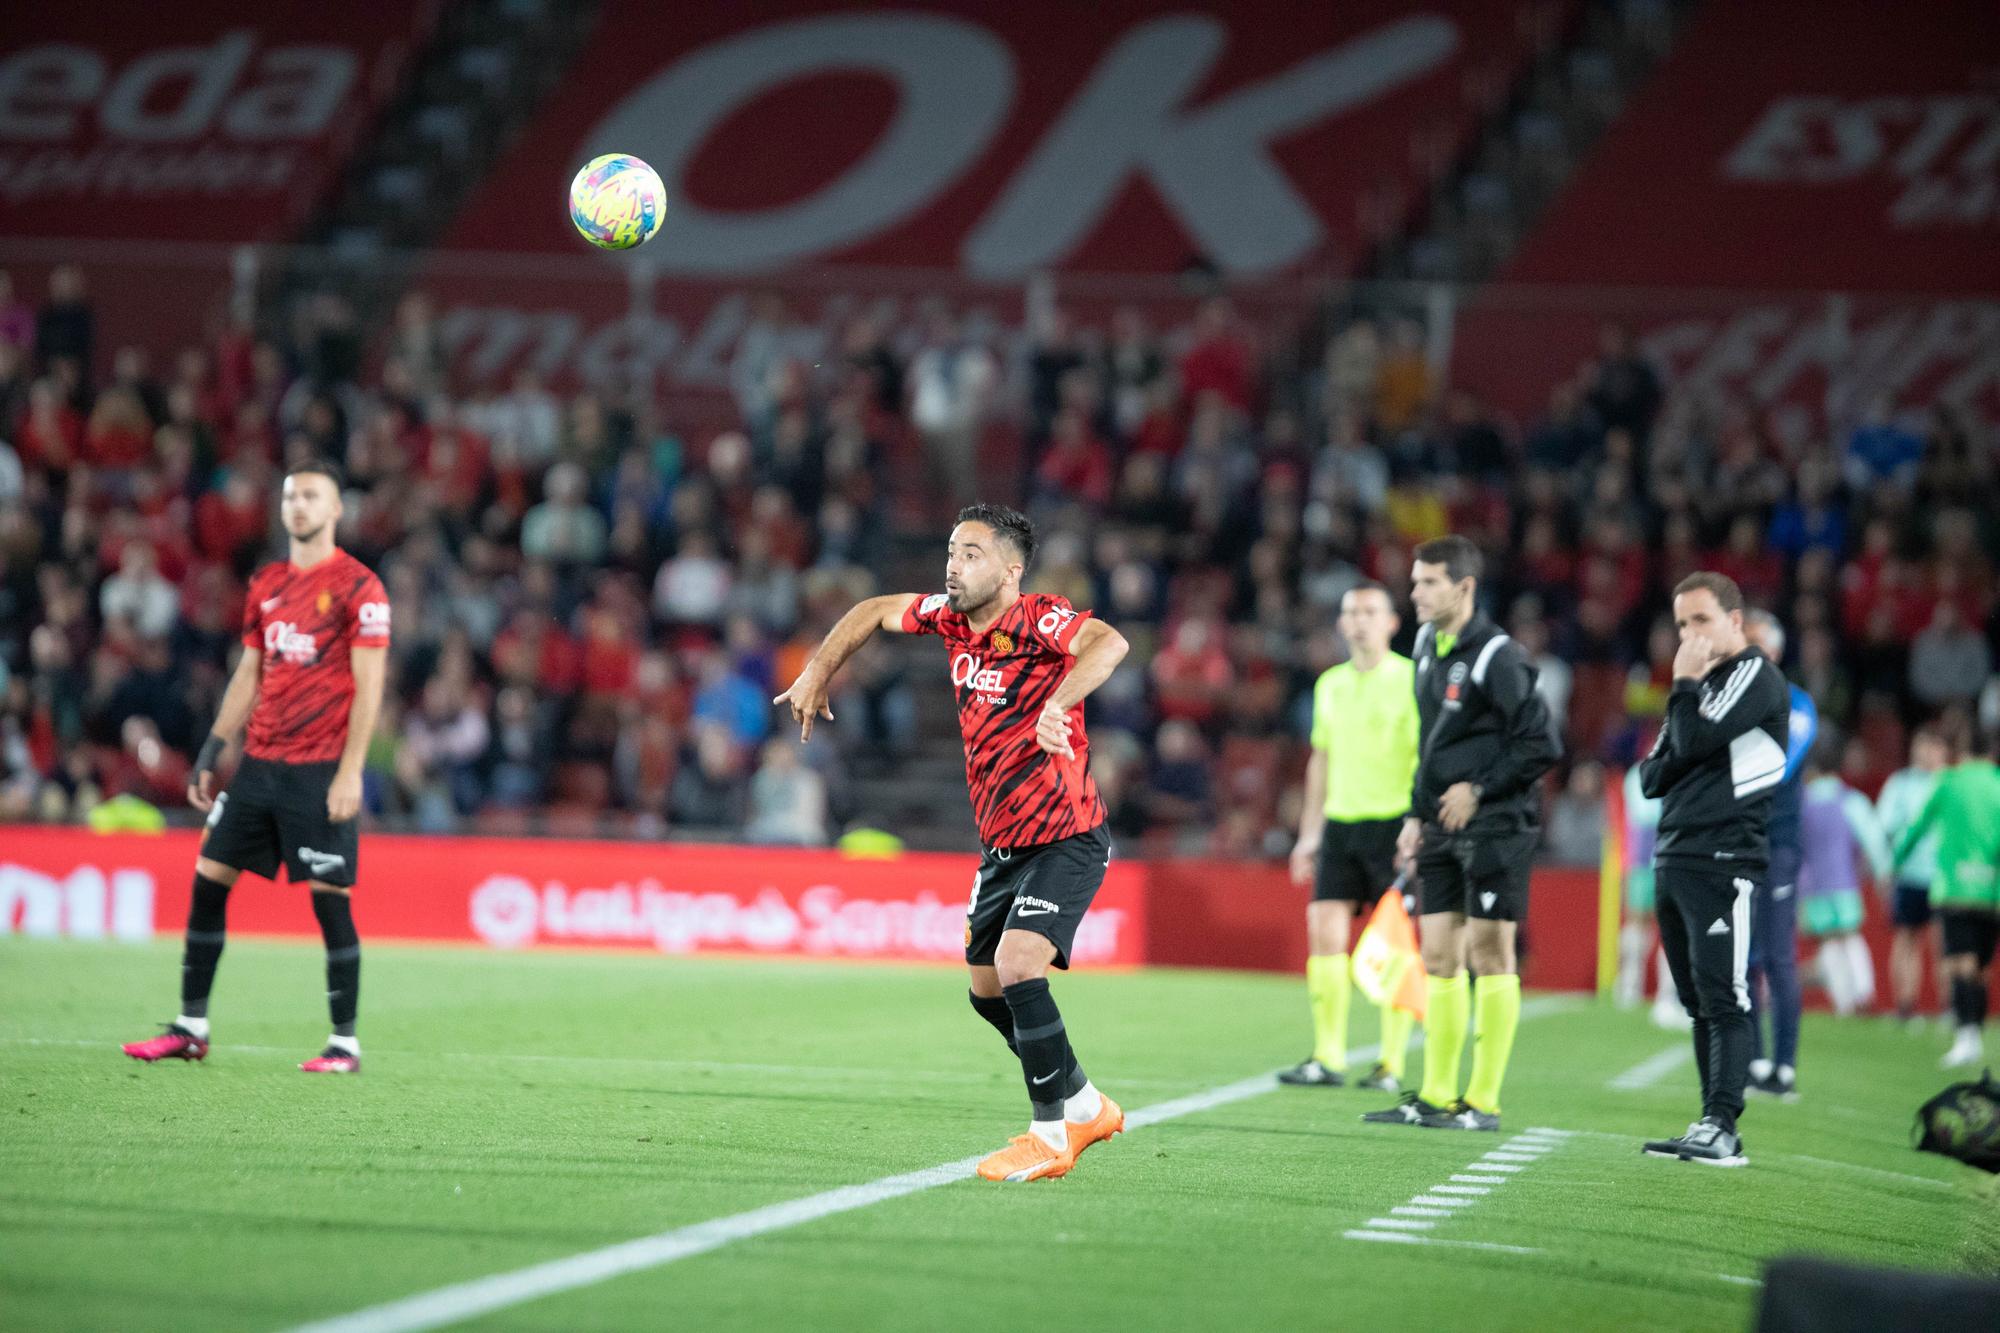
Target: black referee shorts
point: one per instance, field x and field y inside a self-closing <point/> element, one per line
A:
<point x="1357" y="861"/>
<point x="1482" y="875"/>
<point x="274" y="814"/>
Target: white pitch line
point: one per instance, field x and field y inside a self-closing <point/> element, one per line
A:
<point x="1652" y="1069"/>
<point x="1873" y="1171"/>
<point x="1405" y="1238"/>
<point x="1406" y="1210"/>
<point x="1460" y="1189"/>
<point x="1399" y="1224"/>
<point x="1478" y="1180"/>
<point x="1740" y="1281"/>
<point x="1486" y="1164"/>
<point x="1441" y="1200"/>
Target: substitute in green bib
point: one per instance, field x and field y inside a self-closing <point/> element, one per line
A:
<point x="1364" y="754"/>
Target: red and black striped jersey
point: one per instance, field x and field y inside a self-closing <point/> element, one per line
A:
<point x="305" y="622"/>
<point x="1022" y="796"/>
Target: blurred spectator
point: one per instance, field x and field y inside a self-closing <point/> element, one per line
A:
<point x="952" y="383"/>
<point x="1950" y="661"/>
<point x="563" y="528"/>
<point x="1182" y="793"/>
<point x="1625" y="393"/>
<point x="787" y="800"/>
<point x="708" y="791"/>
<point x="139" y="595"/>
<point x="66" y="328"/>
<point x="1575" y="835"/>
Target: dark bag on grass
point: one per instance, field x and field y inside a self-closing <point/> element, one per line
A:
<point x="1963" y="1121"/>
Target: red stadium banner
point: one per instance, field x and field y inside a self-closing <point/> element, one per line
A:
<point x="934" y="155"/>
<point x="503" y="893"/>
<point x="189" y="121"/>
<point x="1864" y="161"/>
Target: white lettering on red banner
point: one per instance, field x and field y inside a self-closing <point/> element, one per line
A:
<point x="84" y="904"/>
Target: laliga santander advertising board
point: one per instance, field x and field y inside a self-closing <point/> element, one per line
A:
<point x="507" y="893"/>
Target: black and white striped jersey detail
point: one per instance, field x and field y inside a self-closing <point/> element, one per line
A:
<point x="1756" y="762"/>
<point x="1716" y="703"/>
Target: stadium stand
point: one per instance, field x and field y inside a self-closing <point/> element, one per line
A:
<point x="599" y="580"/>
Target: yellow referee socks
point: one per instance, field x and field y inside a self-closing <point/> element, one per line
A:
<point x="1448" y="1009"/>
<point x="1396" y="1025"/>
<point x="1327" y="985"/>
<point x="1498" y="1000"/>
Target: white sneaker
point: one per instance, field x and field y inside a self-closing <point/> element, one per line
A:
<point x="1967" y="1050"/>
<point x="1672" y="1017"/>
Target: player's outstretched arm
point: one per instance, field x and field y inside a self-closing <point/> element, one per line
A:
<point x="808" y="694"/>
<point x="237" y="701"/>
<point x="370" y="667"/>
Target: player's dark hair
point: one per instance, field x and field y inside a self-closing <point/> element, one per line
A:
<point x="1460" y="558"/>
<point x="1727" y="594"/>
<point x="324" y="467"/>
<point x="1010" y="525"/>
<point x="1372" y="585"/>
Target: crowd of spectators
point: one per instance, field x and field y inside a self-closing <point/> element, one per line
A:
<point x="592" y="609"/>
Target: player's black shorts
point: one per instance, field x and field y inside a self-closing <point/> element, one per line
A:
<point x="1044" y="889"/>
<point x="275" y="813"/>
<point x="1483" y="876"/>
<point x="1912" y="907"/>
<point x="1970" y="931"/>
<point x="1357" y="861"/>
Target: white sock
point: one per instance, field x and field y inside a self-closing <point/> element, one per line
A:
<point x="1834" y="975"/>
<point x="1787" y="1075"/>
<point x="1052" y="1132"/>
<point x="352" y="1045"/>
<point x="1861" y="969"/>
<point x="1760" y="1069"/>
<point x="1665" y="994"/>
<point x="195" y="1026"/>
<point x="1631" y="985"/>
<point x="1082" y="1108"/>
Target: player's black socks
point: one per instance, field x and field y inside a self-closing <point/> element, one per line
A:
<point x="207" y="923"/>
<point x="343" y="958"/>
<point x="1968" y="1001"/>
<point x="993" y="1008"/>
<point x="1042" y="1044"/>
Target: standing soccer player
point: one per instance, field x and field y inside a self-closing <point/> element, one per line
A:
<point x="1774" y="907"/>
<point x="309" y="683"/>
<point x="1964" y="808"/>
<point x="1364" y="754"/>
<point x="1022" y="663"/>
<point x="1485" y="739"/>
<point x="1718" y="757"/>
<point x="1902" y="799"/>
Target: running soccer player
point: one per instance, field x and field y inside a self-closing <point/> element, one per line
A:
<point x="309" y="683"/>
<point x="1486" y="739"/>
<point x="1903" y="796"/>
<point x="1964" y="808"/>
<point x="1022" y="664"/>
<point x="1364" y="754"/>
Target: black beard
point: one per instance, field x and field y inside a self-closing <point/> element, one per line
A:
<point x="306" y="539"/>
<point x="956" y="601"/>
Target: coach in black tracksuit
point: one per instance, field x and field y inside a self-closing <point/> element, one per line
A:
<point x="1719" y="756"/>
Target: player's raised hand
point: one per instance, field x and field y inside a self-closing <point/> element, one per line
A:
<point x="1052" y="730"/>
<point x="343" y="797"/>
<point x="808" y="700"/>
<point x="201" y="791"/>
<point x="1692" y="659"/>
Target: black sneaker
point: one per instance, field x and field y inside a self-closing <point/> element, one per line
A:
<point x="1411" y="1110"/>
<point x="1381" y="1080"/>
<point x="1461" y="1114"/>
<point x="1669" y="1147"/>
<point x="1311" y="1074"/>
<point x="1710" y="1144"/>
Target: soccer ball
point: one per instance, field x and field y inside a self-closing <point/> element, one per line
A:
<point x="617" y="201"/>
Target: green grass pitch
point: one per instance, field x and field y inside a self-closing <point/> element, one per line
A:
<point x="522" y="1108"/>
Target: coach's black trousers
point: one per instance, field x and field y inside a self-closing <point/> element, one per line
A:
<point x="1704" y="915"/>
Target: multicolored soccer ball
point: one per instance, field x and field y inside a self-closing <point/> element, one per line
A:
<point x="617" y="201"/>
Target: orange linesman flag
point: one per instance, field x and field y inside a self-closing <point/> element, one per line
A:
<point x="1388" y="966"/>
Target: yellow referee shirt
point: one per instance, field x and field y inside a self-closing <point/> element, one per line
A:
<point x="1366" y="721"/>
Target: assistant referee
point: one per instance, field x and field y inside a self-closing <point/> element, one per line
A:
<point x="1364" y="753"/>
<point x="1718" y="758"/>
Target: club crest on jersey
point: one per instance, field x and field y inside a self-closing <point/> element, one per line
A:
<point x="283" y="640"/>
<point x="971" y="673"/>
<point x="325" y="602"/>
<point x="1003" y="642"/>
